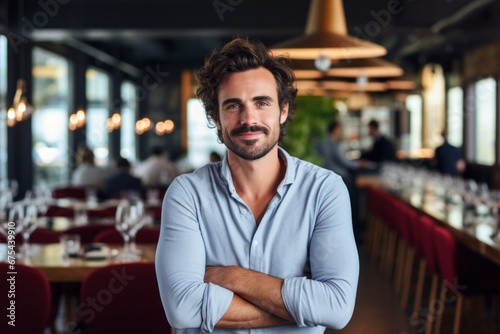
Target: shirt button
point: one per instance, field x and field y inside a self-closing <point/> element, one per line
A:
<point x="243" y="211"/>
<point x="255" y="242"/>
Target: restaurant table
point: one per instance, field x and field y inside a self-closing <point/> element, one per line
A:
<point x="477" y="231"/>
<point x="49" y="259"/>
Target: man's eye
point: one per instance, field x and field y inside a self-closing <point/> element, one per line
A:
<point x="262" y="103"/>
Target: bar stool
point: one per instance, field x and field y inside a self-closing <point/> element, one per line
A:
<point x="461" y="273"/>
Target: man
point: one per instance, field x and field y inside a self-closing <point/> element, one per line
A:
<point x="260" y="239"/>
<point x="334" y="156"/>
<point x="157" y="170"/>
<point x="448" y="158"/>
<point x="382" y="148"/>
<point x="122" y="183"/>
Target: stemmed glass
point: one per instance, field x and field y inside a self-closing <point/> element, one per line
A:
<point x="129" y="218"/>
<point x="25" y="218"/>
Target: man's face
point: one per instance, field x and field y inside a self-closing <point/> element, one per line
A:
<point x="250" y="115"/>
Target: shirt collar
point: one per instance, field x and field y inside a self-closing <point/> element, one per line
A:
<point x="283" y="155"/>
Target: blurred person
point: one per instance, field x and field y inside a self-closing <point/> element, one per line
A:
<point x="335" y="158"/>
<point x="448" y="158"/>
<point x="121" y="182"/>
<point x="261" y="240"/>
<point x="382" y="148"/>
<point x="87" y="174"/>
<point x="215" y="157"/>
<point x="156" y="170"/>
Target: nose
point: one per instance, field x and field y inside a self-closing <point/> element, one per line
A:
<point x="249" y="115"/>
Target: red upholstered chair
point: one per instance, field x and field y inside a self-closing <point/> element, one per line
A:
<point x="32" y="300"/>
<point x="108" y="212"/>
<point x="69" y="192"/>
<point x="88" y="232"/>
<point x="128" y="299"/>
<point x="146" y="235"/>
<point x="463" y="273"/>
<point x="39" y="236"/>
<point x="58" y="211"/>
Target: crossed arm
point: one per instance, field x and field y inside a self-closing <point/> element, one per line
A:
<point x="257" y="300"/>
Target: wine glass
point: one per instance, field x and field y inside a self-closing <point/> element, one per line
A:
<point x="123" y="224"/>
<point x="137" y="215"/>
<point x="30" y="224"/>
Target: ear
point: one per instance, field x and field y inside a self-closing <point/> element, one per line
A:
<point x="284" y="113"/>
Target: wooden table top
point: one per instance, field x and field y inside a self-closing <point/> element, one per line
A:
<point x="49" y="259"/>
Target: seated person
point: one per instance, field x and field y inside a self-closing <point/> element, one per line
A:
<point x="122" y="182"/>
<point x="87" y="174"/>
<point x="156" y="170"/>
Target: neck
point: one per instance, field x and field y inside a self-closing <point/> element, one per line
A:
<point x="259" y="177"/>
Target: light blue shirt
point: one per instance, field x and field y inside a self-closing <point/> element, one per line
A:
<point x="304" y="237"/>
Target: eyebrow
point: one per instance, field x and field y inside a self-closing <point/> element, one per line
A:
<point x="256" y="98"/>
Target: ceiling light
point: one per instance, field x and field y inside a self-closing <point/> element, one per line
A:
<point x="371" y="68"/>
<point x="326" y="35"/>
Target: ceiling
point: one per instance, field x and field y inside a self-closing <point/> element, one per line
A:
<point x="180" y="33"/>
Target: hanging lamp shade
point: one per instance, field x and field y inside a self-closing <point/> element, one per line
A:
<point x="352" y="68"/>
<point x="370" y="67"/>
<point x="326" y="36"/>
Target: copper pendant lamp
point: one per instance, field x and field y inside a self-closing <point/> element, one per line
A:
<point x="326" y="36"/>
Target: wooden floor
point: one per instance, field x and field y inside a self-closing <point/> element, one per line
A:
<point x="377" y="310"/>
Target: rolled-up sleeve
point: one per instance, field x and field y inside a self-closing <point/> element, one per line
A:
<point x="328" y="297"/>
<point x="180" y="266"/>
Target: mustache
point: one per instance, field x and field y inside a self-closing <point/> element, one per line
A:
<point x="246" y="128"/>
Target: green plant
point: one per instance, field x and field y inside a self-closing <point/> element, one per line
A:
<point x="312" y="117"/>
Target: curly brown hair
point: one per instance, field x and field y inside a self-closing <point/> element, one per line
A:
<point x="240" y="55"/>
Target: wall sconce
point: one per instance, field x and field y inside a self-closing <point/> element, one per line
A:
<point x="77" y="120"/>
<point x="114" y="122"/>
<point x="165" y="127"/>
<point x="143" y="125"/>
<point x="21" y="110"/>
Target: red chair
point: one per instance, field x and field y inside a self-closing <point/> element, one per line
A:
<point x="32" y="299"/>
<point x="87" y="233"/>
<point x="423" y="232"/>
<point x="130" y="304"/>
<point x="463" y="273"/>
<point x="107" y="212"/>
<point x="58" y="211"/>
<point x="69" y="192"/>
<point x="37" y="237"/>
<point x="146" y="235"/>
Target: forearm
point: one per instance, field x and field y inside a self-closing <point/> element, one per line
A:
<point x="243" y="314"/>
<point x="261" y="290"/>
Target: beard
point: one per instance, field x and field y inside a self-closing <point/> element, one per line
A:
<point x="248" y="149"/>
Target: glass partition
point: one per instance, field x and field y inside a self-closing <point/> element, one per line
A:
<point x="50" y="119"/>
<point x="98" y="104"/>
<point x="3" y="108"/>
<point x="202" y="139"/>
<point x="129" y="110"/>
<point x="455" y="116"/>
<point x="485" y="121"/>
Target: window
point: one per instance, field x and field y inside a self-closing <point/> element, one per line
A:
<point x="129" y="116"/>
<point x="485" y="121"/>
<point x="414" y="106"/>
<point x="98" y="103"/>
<point x="455" y="120"/>
<point x="201" y="138"/>
<point x="3" y="108"/>
<point x="50" y="119"/>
